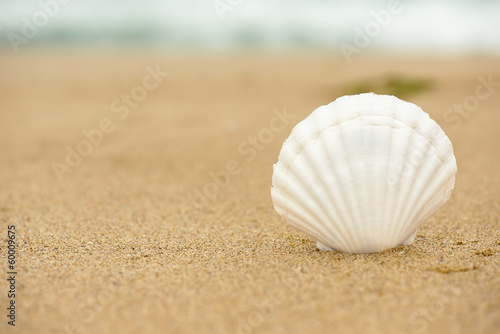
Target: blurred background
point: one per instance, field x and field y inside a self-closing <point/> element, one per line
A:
<point x="422" y="26"/>
<point x="137" y="141"/>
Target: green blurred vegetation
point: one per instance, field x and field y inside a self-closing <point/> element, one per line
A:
<point x="391" y="85"/>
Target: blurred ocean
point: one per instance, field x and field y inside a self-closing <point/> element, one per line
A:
<point x="442" y="26"/>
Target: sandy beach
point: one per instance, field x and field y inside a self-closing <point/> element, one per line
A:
<point x="139" y="188"/>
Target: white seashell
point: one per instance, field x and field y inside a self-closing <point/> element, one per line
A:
<point x="362" y="173"/>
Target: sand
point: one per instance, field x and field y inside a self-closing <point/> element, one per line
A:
<point x="125" y="243"/>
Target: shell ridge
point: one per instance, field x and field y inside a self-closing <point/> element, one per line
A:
<point x="306" y="223"/>
<point x="419" y="191"/>
<point x="327" y="217"/>
<point x="422" y="194"/>
<point x="398" y="191"/>
<point x="330" y="128"/>
<point x="416" y="194"/>
<point x="387" y="175"/>
<point x="305" y="204"/>
<point x="306" y="152"/>
<point x="367" y="217"/>
<point x="354" y="197"/>
<point x="305" y="228"/>
<point x="394" y="192"/>
<point x="438" y="197"/>
<point x="337" y="181"/>
<point x="399" y="197"/>
<point x="335" y="212"/>
<point x="451" y="179"/>
<point x="401" y="207"/>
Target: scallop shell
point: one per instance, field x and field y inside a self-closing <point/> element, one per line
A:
<point x="362" y="173"/>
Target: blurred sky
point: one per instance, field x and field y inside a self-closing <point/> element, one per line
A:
<point x="432" y="26"/>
